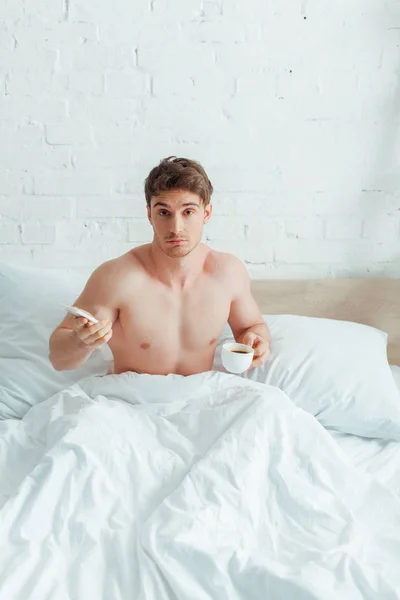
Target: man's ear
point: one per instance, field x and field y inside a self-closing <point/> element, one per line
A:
<point x="149" y="213"/>
<point x="207" y="213"/>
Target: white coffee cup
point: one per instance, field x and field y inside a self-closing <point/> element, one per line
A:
<point x="236" y="358"/>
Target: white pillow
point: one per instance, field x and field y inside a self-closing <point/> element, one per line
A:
<point x="29" y="312"/>
<point x="335" y="370"/>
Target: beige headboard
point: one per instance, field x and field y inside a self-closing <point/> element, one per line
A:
<point x="374" y="302"/>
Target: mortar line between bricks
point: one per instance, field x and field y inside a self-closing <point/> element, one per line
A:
<point x="66" y="10"/>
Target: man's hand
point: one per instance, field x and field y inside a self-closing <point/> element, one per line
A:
<point x="260" y="346"/>
<point x="92" y="335"/>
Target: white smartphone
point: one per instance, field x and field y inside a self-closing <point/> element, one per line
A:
<point x="78" y="312"/>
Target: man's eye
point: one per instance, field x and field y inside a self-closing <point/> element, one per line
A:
<point x="189" y="212"/>
<point x="163" y="213"/>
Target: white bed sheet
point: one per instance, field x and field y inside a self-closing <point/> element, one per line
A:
<point x="377" y="457"/>
<point x="396" y="375"/>
<point x="167" y="488"/>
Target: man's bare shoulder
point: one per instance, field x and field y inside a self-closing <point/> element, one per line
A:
<point x="116" y="270"/>
<point x="227" y="266"/>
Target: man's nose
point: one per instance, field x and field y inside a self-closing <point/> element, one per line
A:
<point x="177" y="224"/>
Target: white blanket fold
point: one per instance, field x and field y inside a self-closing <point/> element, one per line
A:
<point x="139" y="487"/>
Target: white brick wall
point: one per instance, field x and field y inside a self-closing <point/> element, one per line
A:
<point x="292" y="108"/>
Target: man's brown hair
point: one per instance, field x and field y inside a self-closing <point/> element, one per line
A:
<point x="178" y="174"/>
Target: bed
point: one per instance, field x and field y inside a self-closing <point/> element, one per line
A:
<point x="283" y="483"/>
<point x="374" y="302"/>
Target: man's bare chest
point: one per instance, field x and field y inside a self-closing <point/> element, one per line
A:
<point x="156" y="319"/>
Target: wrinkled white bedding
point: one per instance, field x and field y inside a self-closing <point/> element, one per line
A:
<point x="206" y="487"/>
<point x="380" y="458"/>
<point x="396" y="375"/>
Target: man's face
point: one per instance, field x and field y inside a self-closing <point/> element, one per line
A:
<point x="178" y="217"/>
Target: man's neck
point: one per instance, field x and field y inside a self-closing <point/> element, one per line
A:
<point x="178" y="273"/>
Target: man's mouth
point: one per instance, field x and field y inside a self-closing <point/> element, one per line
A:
<point x="176" y="241"/>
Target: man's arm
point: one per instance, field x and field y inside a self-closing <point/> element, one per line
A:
<point x="74" y="340"/>
<point x="245" y="318"/>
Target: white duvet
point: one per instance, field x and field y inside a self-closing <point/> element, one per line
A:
<point x="211" y="486"/>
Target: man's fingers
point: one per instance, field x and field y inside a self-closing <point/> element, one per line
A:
<point x="256" y="363"/>
<point x="99" y="330"/>
<point x="251" y="339"/>
<point x="91" y="333"/>
<point x="102" y="340"/>
<point x="260" y="360"/>
<point x="93" y="328"/>
<point x="260" y="347"/>
<point x="79" y="323"/>
<point x="258" y="351"/>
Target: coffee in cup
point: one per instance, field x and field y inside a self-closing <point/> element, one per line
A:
<point x="236" y="358"/>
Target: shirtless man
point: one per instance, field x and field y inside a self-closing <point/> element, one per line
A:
<point x="162" y="306"/>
